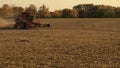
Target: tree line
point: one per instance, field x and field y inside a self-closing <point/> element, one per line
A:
<point x="78" y="11"/>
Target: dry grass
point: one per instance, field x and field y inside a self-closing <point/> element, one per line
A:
<point x="68" y="43"/>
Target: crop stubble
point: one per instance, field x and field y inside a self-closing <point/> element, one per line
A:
<point x="68" y="43"/>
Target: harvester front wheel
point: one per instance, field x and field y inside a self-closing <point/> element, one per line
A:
<point x="48" y="25"/>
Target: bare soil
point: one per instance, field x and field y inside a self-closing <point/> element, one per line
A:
<point x="68" y="43"/>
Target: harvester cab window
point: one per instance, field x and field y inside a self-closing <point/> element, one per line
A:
<point x="30" y="16"/>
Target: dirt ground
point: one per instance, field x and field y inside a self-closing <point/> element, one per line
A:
<point x="68" y="43"/>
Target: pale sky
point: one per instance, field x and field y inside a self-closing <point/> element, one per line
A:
<point x="58" y="4"/>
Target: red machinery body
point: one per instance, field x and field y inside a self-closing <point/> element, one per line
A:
<point x="25" y="20"/>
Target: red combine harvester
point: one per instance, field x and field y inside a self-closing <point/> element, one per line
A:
<point x="25" y="21"/>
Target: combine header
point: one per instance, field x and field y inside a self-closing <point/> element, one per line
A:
<point x="25" y="21"/>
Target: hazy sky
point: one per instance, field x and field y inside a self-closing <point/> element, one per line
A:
<point x="58" y="4"/>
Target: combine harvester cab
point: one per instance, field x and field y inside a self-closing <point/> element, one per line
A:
<point x="25" y="21"/>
